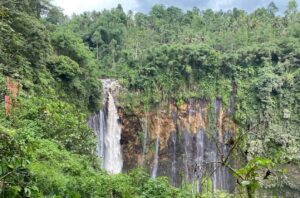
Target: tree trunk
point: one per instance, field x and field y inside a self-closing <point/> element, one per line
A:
<point x="250" y="192"/>
<point x="97" y="51"/>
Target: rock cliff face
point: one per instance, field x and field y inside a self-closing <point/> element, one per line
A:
<point x="12" y="91"/>
<point x="184" y="143"/>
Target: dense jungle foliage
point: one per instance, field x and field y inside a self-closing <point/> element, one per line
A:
<point x="46" y="148"/>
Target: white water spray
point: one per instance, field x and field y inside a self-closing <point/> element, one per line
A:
<point x="145" y="139"/>
<point x="113" y="162"/>
<point x="155" y="162"/>
<point x="98" y="123"/>
<point x="108" y="130"/>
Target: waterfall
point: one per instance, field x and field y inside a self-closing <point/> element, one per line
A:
<point x="190" y="153"/>
<point x="113" y="155"/>
<point x="200" y="163"/>
<point x="188" y="144"/>
<point x="200" y="147"/>
<point x="215" y="169"/>
<point x="101" y="134"/>
<point x="228" y="179"/>
<point x="174" y="144"/>
<point x="219" y="119"/>
<point x="203" y="149"/>
<point x="98" y="123"/>
<point x="145" y="139"/>
<point x="187" y="155"/>
<point x="107" y="128"/>
<point x="155" y="161"/>
<point x="174" y="171"/>
<point x="221" y="177"/>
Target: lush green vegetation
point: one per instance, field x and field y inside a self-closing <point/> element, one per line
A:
<point x="166" y="54"/>
<point x="46" y="148"/>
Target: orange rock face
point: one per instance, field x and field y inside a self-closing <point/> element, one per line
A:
<point x="166" y="122"/>
<point x="13" y="89"/>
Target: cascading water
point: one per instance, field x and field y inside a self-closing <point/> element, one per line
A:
<point x="98" y="123"/>
<point x="200" y="163"/>
<point x="113" y="155"/>
<point x="203" y="148"/>
<point x="228" y="179"/>
<point x="145" y="138"/>
<point x="155" y="161"/>
<point x="221" y="177"/>
<point x="185" y="146"/>
<point x="188" y="144"/>
<point x="187" y="155"/>
<point x="212" y="157"/>
<point x="107" y="128"/>
<point x="174" y="171"/>
<point x="200" y="147"/>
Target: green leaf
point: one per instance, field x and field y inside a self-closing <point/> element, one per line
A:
<point x="245" y="183"/>
<point x="284" y="170"/>
<point x="11" y="166"/>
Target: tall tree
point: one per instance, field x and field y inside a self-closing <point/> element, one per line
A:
<point x="291" y="11"/>
<point x="96" y="38"/>
<point x="272" y="8"/>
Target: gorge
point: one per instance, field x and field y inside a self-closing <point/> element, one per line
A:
<point x="170" y="103"/>
<point x="184" y="143"/>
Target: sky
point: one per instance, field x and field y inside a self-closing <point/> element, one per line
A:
<point x="79" y="6"/>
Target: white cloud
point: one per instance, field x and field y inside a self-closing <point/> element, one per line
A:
<point x="220" y="4"/>
<point x="79" y="6"/>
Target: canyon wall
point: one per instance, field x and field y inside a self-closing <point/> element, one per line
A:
<point x="185" y="142"/>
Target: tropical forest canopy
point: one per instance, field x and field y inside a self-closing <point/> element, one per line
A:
<point x="46" y="148"/>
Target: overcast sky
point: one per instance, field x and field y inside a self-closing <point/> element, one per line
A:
<point x="79" y="6"/>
